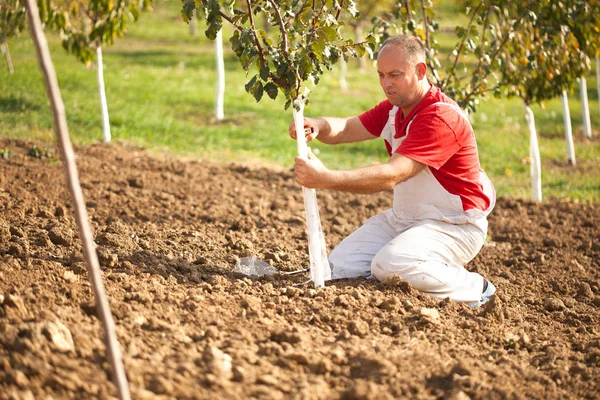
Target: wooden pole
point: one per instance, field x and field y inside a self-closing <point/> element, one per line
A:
<point x="68" y="158"/>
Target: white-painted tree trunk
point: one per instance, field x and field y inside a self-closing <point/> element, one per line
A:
<point x="534" y="157"/>
<point x="6" y="53"/>
<point x="193" y="24"/>
<point x="568" y="128"/>
<point x="343" y="73"/>
<point x="598" y="79"/>
<point x="72" y="179"/>
<point x="220" y="92"/>
<point x="585" y="109"/>
<point x="102" y="92"/>
<point x="317" y="249"/>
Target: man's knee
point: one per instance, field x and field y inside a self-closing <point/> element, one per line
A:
<point x="421" y="275"/>
<point x="381" y="267"/>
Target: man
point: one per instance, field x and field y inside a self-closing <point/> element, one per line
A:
<point x="441" y="196"/>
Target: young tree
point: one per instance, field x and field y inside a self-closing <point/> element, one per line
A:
<point x="87" y="25"/>
<point x="531" y="49"/>
<point x="72" y="179"/>
<point x="304" y="42"/>
<point x="568" y="128"/>
<point x="543" y="59"/>
<point x="220" y="91"/>
<point x="12" y="22"/>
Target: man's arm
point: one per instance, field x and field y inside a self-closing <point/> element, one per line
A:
<point x="333" y="130"/>
<point x="313" y="174"/>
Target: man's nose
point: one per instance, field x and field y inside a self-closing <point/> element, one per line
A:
<point x="386" y="82"/>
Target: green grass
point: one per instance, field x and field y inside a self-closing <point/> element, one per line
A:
<point x="160" y="90"/>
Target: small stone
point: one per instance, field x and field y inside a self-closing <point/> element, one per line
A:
<point x="59" y="211"/>
<point x="58" y="334"/>
<point x="136" y="182"/>
<point x="160" y="385"/>
<point x="70" y="276"/>
<point x="430" y="314"/>
<point x="63" y="237"/>
<point x="358" y="327"/>
<point x="584" y="291"/>
<point x="218" y="362"/>
<point x="106" y="258"/>
<point x="15" y="301"/>
<point x="554" y="304"/>
<point x="239" y="374"/>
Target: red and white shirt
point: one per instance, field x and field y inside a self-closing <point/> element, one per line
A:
<point x="441" y="138"/>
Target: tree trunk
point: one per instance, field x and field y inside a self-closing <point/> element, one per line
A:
<point x="317" y="249"/>
<point x="343" y="73"/>
<point x="585" y="109"/>
<point x="362" y="61"/>
<point x="534" y="156"/>
<point x="68" y="157"/>
<point x="6" y="53"/>
<point x="193" y="24"/>
<point x="568" y="128"/>
<point x="102" y="92"/>
<point x="598" y="79"/>
<point x="220" y="92"/>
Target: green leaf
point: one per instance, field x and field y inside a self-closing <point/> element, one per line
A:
<point x="264" y="72"/>
<point x="271" y="90"/>
<point x="251" y="84"/>
<point x="258" y="91"/>
<point x="330" y="33"/>
<point x="214" y="26"/>
<point x="187" y="11"/>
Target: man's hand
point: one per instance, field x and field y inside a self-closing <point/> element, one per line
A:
<point x="311" y="172"/>
<point x="311" y="129"/>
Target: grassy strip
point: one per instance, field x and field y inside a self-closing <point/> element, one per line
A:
<point x="160" y="88"/>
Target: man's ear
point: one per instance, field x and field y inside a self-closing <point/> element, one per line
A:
<point x="421" y="69"/>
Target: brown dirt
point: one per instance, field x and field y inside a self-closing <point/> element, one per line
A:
<point x="168" y="235"/>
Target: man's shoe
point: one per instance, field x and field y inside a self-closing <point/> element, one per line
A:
<point x="490" y="290"/>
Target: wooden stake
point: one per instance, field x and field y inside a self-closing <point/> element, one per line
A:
<point x="68" y="158"/>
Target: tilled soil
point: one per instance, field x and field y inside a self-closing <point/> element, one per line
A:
<point x="169" y="233"/>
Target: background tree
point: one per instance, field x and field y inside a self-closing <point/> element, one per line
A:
<point x="305" y="40"/>
<point x="85" y="26"/>
<point x="12" y="22"/>
<point x="542" y="59"/>
<point x="535" y="50"/>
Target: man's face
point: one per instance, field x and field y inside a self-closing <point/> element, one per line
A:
<point x="397" y="77"/>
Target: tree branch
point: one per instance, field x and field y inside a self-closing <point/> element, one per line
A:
<point x="460" y="47"/>
<point x="284" y="36"/>
<point x="256" y="40"/>
<point x="337" y="16"/>
<point x="427" y="43"/>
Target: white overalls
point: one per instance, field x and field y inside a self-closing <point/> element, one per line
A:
<point x="426" y="239"/>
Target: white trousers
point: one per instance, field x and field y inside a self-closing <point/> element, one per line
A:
<point x="429" y="254"/>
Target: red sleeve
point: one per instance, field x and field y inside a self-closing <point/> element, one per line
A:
<point x="376" y="118"/>
<point x="430" y="140"/>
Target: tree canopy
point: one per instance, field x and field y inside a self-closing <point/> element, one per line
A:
<point x="306" y="40"/>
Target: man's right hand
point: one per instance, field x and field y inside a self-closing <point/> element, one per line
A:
<point x="311" y="129"/>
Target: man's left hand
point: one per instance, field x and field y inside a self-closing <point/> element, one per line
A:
<point x="311" y="172"/>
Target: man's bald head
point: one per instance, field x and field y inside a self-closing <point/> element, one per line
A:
<point x="411" y="46"/>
